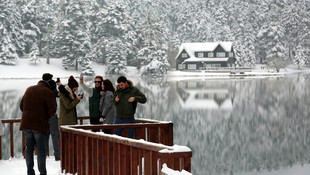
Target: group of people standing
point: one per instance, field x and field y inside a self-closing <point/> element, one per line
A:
<point x="107" y="105"/>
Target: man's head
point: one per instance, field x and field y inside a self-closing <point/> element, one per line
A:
<point x="98" y="81"/>
<point x="47" y="76"/>
<point x="122" y="82"/>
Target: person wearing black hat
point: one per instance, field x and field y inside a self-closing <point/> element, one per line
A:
<point x="37" y="106"/>
<point x="53" y="122"/>
<point x="68" y="101"/>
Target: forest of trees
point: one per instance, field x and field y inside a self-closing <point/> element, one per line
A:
<point x="146" y="34"/>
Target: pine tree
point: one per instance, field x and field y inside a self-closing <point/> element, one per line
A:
<point x="116" y="57"/>
<point x="74" y="41"/>
<point x="300" y="59"/>
<point x="11" y="37"/>
<point x="153" y="56"/>
<point x="34" y="55"/>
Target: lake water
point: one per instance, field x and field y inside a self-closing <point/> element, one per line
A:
<point x="234" y="126"/>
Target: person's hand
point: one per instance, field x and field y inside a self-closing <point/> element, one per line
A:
<point x="116" y="98"/>
<point x="59" y="83"/>
<point x="79" y="97"/>
<point x="81" y="79"/>
<point x="101" y="119"/>
<point x="131" y="99"/>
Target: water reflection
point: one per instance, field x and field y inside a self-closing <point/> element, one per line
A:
<point x="195" y="95"/>
<point x="233" y="126"/>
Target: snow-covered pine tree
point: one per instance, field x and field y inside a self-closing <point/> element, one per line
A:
<point x="34" y="55"/>
<point x="153" y="56"/>
<point x="300" y="58"/>
<point x="116" y="57"/>
<point x="271" y="36"/>
<point x="31" y="30"/>
<point x="11" y="37"/>
<point x="74" y="40"/>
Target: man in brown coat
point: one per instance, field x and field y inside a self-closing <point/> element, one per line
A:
<point x="37" y="106"/>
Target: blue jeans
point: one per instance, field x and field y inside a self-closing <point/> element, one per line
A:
<point x="119" y="131"/>
<point x="39" y="139"/>
<point x="54" y="132"/>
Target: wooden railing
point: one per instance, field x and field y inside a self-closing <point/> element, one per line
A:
<point x="166" y="139"/>
<point x="86" y="152"/>
<point x="12" y="122"/>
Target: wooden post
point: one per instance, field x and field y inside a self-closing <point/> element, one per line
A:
<point x="0" y="147"/>
<point x="12" y="139"/>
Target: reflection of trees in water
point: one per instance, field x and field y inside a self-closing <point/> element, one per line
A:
<point x="267" y="129"/>
<point x="9" y="108"/>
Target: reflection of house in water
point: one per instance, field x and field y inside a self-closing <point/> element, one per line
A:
<point x="205" y="95"/>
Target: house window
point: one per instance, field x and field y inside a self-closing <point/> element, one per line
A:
<point x="220" y="54"/>
<point x="192" y="84"/>
<point x="184" y="55"/>
<point x="200" y="55"/>
<point x="231" y="54"/>
<point x="216" y="65"/>
<point x="181" y="66"/>
<point x="211" y="55"/>
<point x="192" y="66"/>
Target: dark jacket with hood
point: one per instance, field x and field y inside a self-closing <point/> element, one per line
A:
<point x="125" y="109"/>
<point x="67" y="106"/>
<point x="37" y="106"/>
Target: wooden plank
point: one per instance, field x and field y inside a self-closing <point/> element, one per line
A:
<point x="176" y="165"/>
<point x="106" y="152"/>
<point x="116" y="156"/>
<point x="83" y="155"/>
<point x="94" y="156"/>
<point x="0" y="148"/>
<point x="111" y="157"/>
<point x="128" y="162"/>
<point x="154" y="159"/>
<point x="99" y="157"/>
<point x="140" y="151"/>
<point x="134" y="157"/>
<point x="123" y="159"/>
<point x="71" y="153"/>
<point x="78" y="156"/>
<point x="88" y="158"/>
<point x="187" y="164"/>
<point x="12" y="139"/>
<point x="147" y="162"/>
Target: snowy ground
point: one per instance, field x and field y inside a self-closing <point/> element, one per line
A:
<point x="18" y="166"/>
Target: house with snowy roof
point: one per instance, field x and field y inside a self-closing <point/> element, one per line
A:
<point x="207" y="55"/>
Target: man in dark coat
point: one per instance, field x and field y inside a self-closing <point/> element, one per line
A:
<point x="38" y="106"/>
<point x="53" y="122"/>
<point x="126" y="98"/>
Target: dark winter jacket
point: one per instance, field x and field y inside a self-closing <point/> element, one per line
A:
<point x="67" y="105"/>
<point x="125" y="109"/>
<point x="107" y="107"/>
<point x="37" y="106"/>
<point x="94" y="101"/>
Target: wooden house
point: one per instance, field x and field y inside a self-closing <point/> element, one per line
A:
<point x="207" y="55"/>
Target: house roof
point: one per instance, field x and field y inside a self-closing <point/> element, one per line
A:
<point x="206" y="59"/>
<point x="191" y="48"/>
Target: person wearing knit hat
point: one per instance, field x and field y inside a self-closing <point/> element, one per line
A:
<point x="68" y="101"/>
<point x="72" y="83"/>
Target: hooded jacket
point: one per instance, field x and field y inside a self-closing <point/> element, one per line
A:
<point x="67" y="106"/>
<point x="125" y="109"/>
<point x="37" y="106"/>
